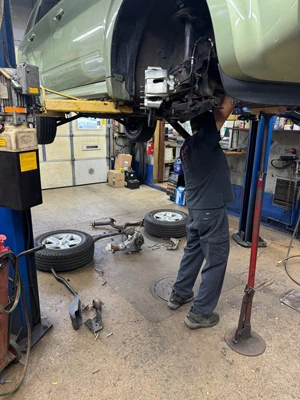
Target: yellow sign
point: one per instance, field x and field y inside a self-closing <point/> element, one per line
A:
<point x="28" y="161"/>
<point x="33" y="90"/>
<point x="2" y="143"/>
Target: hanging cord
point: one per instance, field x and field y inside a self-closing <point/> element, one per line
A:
<point x="287" y="165"/>
<point x="20" y="294"/>
<point x="288" y="257"/>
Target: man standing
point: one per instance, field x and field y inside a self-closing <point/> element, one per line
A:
<point x="208" y="187"/>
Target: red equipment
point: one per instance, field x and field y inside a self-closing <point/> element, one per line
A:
<point x="244" y="340"/>
<point x="150" y="148"/>
<point x="3" y="303"/>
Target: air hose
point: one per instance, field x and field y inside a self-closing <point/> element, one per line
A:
<point x="18" y="292"/>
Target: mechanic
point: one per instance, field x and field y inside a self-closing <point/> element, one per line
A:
<point x="208" y="190"/>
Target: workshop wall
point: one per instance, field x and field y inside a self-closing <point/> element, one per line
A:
<point x="280" y="142"/>
<point x="78" y="155"/>
<point x="273" y="211"/>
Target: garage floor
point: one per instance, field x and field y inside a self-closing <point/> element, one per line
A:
<point x="151" y="354"/>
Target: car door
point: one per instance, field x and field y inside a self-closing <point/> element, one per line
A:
<point x="39" y="48"/>
<point x="78" y="40"/>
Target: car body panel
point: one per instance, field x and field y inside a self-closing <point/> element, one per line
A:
<point x="80" y="60"/>
<point x="116" y="88"/>
<point x="258" y="40"/>
<point x="82" y="65"/>
<point x="37" y="45"/>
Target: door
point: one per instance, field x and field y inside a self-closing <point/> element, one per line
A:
<point x="37" y="47"/>
<point x="78" y="41"/>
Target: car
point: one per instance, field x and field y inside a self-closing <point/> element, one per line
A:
<point x="168" y="59"/>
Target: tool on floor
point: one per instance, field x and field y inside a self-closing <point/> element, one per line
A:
<point x="4" y="381"/>
<point x="291" y="299"/>
<point x="75" y="306"/>
<point x="120" y="228"/>
<point x="95" y="325"/>
<point x="244" y="340"/>
<point x="170" y="246"/>
<point x="133" y="244"/>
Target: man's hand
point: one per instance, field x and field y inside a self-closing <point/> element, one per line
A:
<point x="222" y="114"/>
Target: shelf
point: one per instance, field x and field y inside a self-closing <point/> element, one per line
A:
<point x="170" y="162"/>
<point x="235" y="153"/>
<point x="274" y="130"/>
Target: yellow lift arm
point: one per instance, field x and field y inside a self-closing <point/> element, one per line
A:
<point x="56" y="107"/>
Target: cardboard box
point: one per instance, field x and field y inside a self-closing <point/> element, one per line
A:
<point x="180" y="196"/>
<point x="116" y="179"/>
<point x="123" y="160"/>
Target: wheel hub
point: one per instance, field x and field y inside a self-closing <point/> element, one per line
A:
<point x="168" y="216"/>
<point x="62" y="241"/>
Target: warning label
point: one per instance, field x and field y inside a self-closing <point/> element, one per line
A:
<point x="2" y="143"/>
<point x="28" y="161"/>
<point x="33" y="90"/>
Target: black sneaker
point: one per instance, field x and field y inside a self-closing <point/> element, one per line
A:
<point x="196" y="321"/>
<point x="176" y="301"/>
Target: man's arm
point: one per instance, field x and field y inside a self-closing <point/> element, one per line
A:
<point x="222" y="114"/>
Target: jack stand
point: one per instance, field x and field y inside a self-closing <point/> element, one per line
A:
<point x="243" y="340"/>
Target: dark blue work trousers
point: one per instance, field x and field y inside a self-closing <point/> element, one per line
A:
<point x="207" y="238"/>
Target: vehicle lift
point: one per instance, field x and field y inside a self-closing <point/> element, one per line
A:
<point x="21" y="323"/>
<point x="258" y="148"/>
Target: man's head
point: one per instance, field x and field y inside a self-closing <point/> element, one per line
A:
<point x="201" y="121"/>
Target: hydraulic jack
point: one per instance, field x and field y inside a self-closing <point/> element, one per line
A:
<point x="244" y="340"/>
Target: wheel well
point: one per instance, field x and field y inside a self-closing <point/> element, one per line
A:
<point x="146" y="35"/>
<point x="128" y="33"/>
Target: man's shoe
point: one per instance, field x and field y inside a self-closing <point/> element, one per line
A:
<point x="176" y="301"/>
<point x="196" y="321"/>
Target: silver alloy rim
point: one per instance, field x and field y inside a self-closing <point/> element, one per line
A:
<point x="168" y="216"/>
<point x="62" y="241"/>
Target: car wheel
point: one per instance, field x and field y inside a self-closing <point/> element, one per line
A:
<point x="166" y="223"/>
<point x="137" y="130"/>
<point x="45" y="129"/>
<point x="65" y="250"/>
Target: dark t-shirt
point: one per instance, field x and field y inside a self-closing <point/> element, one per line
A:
<point x="206" y="171"/>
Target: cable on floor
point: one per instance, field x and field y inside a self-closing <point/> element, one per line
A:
<point x="288" y="257"/>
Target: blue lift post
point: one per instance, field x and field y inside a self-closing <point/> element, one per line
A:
<point x="17" y="225"/>
<point x="254" y="155"/>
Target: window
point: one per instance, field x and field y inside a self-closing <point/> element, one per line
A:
<point x="29" y="23"/>
<point x="45" y="7"/>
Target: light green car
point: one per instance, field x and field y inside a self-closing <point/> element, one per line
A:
<point x="166" y="58"/>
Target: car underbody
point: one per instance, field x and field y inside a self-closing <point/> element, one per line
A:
<point x="172" y="49"/>
<point x="165" y="55"/>
<point x="168" y="61"/>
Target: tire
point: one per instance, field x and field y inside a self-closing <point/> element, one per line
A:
<point x="138" y="131"/>
<point x="64" y="257"/>
<point x="158" y="223"/>
<point x="45" y="129"/>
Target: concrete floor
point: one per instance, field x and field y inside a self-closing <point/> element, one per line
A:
<point x="151" y="354"/>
